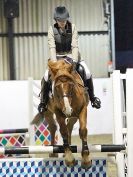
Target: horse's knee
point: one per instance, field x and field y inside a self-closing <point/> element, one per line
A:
<point x="52" y="127"/>
<point x="83" y="133"/>
<point x="64" y="133"/>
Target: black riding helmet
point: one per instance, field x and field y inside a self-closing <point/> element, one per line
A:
<point x="61" y="13"/>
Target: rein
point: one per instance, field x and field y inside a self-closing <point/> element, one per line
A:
<point x="81" y="85"/>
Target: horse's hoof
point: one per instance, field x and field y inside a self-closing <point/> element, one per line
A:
<point x="53" y="155"/>
<point x="86" y="165"/>
<point x="70" y="163"/>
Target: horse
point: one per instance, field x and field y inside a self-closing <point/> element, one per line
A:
<point x="69" y="100"/>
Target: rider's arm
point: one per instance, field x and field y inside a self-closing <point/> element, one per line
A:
<point x="51" y="44"/>
<point x="74" y="44"/>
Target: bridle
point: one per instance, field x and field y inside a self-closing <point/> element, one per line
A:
<point x="70" y="94"/>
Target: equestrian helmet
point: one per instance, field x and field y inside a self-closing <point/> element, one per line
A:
<point x="61" y="13"/>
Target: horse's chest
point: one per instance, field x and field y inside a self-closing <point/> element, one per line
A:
<point x="76" y="110"/>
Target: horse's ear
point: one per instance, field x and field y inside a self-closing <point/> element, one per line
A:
<point x="51" y="62"/>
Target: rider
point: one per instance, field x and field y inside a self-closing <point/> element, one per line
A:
<point x="63" y="43"/>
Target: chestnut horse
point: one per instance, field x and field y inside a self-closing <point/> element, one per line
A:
<point x="69" y="99"/>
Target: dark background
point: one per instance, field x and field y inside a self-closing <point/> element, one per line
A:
<point x="123" y="14"/>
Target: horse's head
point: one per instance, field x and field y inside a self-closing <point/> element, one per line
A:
<point x="64" y="84"/>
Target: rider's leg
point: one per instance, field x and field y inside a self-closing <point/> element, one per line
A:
<point x="44" y="94"/>
<point x="95" y="102"/>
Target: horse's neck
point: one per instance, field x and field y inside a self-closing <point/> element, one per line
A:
<point x="78" y="87"/>
<point x="53" y="84"/>
<point x="78" y="78"/>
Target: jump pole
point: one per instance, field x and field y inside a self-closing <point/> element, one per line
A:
<point x="59" y="149"/>
<point x="6" y="131"/>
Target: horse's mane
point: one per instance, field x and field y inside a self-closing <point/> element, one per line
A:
<point x="59" y="64"/>
<point x="60" y="68"/>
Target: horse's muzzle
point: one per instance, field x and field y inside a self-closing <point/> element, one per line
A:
<point x="68" y="111"/>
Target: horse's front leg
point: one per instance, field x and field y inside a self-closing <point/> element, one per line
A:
<point x="70" y="124"/>
<point x="52" y="128"/>
<point x="69" y="158"/>
<point x="86" y="162"/>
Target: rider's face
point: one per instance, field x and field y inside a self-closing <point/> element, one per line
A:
<point x="61" y="24"/>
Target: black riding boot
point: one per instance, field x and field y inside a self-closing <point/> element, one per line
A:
<point x="44" y="96"/>
<point x="95" y="102"/>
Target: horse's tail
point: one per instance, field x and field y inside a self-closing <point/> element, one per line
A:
<point x="37" y="119"/>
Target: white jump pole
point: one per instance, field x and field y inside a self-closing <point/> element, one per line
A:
<point x="129" y="105"/>
<point x="118" y="120"/>
<point x="60" y="149"/>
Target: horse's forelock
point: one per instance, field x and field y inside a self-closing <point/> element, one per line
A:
<point x="58" y="65"/>
<point x="59" y="68"/>
<point x="64" y="74"/>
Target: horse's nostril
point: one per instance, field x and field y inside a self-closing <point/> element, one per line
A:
<point x="67" y="112"/>
<point x="63" y="110"/>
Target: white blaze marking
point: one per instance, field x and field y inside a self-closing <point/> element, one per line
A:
<point x="68" y="109"/>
